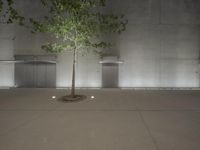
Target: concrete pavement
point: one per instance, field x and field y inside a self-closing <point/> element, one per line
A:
<point x="114" y="120"/>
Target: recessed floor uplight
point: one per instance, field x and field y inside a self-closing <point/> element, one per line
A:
<point x="92" y="97"/>
<point x="53" y="97"/>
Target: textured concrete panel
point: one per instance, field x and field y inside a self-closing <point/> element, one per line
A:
<point x="180" y="11"/>
<point x="6" y="49"/>
<point x="6" y="75"/>
<point x="6" y="31"/>
<point x="180" y="41"/>
<point x="64" y="70"/>
<point x="30" y="8"/>
<point x="88" y="70"/>
<point x="162" y="35"/>
<point x="179" y="73"/>
<point x="141" y="51"/>
<point x="137" y="11"/>
<point x="6" y="70"/>
<point x="26" y="43"/>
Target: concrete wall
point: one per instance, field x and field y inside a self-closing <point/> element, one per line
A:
<point x="88" y="70"/>
<point x="160" y="46"/>
<point x="6" y="53"/>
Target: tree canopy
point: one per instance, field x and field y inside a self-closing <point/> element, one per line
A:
<point x="8" y="14"/>
<point x="77" y="24"/>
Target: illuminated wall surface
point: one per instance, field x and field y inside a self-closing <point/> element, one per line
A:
<point x="6" y="53"/>
<point x="160" y="47"/>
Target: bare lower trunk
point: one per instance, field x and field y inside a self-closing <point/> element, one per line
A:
<point x="73" y="75"/>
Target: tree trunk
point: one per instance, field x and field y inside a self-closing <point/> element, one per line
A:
<point x="73" y="75"/>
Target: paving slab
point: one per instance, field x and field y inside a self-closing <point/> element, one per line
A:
<point x="80" y="130"/>
<point x="167" y="100"/>
<point x="174" y="130"/>
<point x="10" y="120"/>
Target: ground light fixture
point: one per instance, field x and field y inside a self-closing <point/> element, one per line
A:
<point x="53" y="97"/>
<point x="92" y="97"/>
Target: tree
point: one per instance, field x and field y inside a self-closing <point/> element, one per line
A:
<point x="8" y="14"/>
<point x="78" y="25"/>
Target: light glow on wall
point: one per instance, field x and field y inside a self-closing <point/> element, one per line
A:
<point x="6" y="75"/>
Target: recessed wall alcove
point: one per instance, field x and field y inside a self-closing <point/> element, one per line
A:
<point x="35" y="71"/>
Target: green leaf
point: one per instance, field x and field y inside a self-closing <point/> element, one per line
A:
<point x="76" y="23"/>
